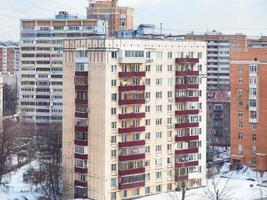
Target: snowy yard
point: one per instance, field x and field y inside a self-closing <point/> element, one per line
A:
<point x="16" y="188"/>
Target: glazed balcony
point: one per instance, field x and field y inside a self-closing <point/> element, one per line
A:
<point x="186" y="86"/>
<point x="132" y="74"/>
<point x="81" y="87"/>
<point x="186" y="164"/>
<point x="132" y="116"/>
<point x="128" y="88"/>
<point x="132" y="129"/>
<point x="81" y="156"/>
<point x="132" y="143"/>
<point x="132" y="101"/>
<point x="186" y="60"/>
<point x="82" y="129"/>
<point x="132" y="157"/>
<point x="81" y="142"/>
<point x="81" y="101"/>
<point x="187" y="125"/>
<point x="80" y="184"/>
<point x="123" y="186"/>
<point x="186" y="138"/>
<point x="132" y="171"/>
<point x="187" y="73"/>
<point x="187" y="151"/>
<point x="186" y="99"/>
<point x="186" y="112"/>
<point x="80" y="170"/>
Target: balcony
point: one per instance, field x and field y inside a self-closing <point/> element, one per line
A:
<point x="186" y="138"/>
<point x="81" y="156"/>
<point x="186" y="164"/>
<point x="81" y="115"/>
<point x="77" y="196"/>
<point x="81" y="73"/>
<point x="132" y="129"/>
<point x="186" y="99"/>
<point x="132" y="60"/>
<point x="81" y="184"/>
<point x="81" y="87"/>
<point x="187" y="125"/>
<point x="187" y="112"/>
<point x="181" y="178"/>
<point x="186" y="86"/>
<point x="82" y="129"/>
<point x="132" y="116"/>
<point x="81" y="142"/>
<point x="81" y="170"/>
<point x="131" y="171"/>
<point x="123" y="186"/>
<point x="132" y="143"/>
<point x="186" y="151"/>
<point x="186" y="60"/>
<point x="132" y="102"/>
<point x="187" y="73"/>
<point x="127" y="88"/>
<point x="131" y="74"/>
<point x="81" y="101"/>
<point x="132" y="157"/>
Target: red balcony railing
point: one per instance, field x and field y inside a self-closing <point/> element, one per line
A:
<point x="186" y="151"/>
<point x="132" y="157"/>
<point x="187" y="73"/>
<point x="81" y="73"/>
<point x="81" y="115"/>
<point x="132" y="101"/>
<point x="79" y="183"/>
<point x="181" y="178"/>
<point x="186" y="138"/>
<point x="81" y="87"/>
<point x="187" y="164"/>
<point x="81" y="142"/>
<point x="132" y="129"/>
<point x="131" y="74"/>
<point x="186" y="60"/>
<point x="132" y="143"/>
<point x="186" y="99"/>
<point x="81" y="101"/>
<point x="131" y="171"/>
<point x="187" y="125"/>
<point x="81" y="156"/>
<point x="82" y="129"/>
<point x="132" y="116"/>
<point x="186" y="86"/>
<point x="132" y="88"/>
<point x="77" y="196"/>
<point x="81" y="170"/>
<point x="187" y="112"/>
<point x="131" y="185"/>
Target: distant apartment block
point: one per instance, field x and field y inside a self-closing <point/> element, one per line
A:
<point x="9" y="58"/>
<point x="119" y="18"/>
<point x="134" y="117"/>
<point x="219" y="47"/>
<point x="41" y="63"/>
<point x="249" y="108"/>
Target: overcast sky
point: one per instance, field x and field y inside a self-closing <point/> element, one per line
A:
<point x="179" y="16"/>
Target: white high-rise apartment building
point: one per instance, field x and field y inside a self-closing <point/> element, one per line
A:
<point x="134" y="117"/>
<point x="41" y="63"/>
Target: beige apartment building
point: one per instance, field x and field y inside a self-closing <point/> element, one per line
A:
<point x="134" y="117"/>
<point x="119" y="18"/>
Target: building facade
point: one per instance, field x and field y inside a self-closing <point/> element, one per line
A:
<point x="249" y="108"/>
<point x="219" y="49"/>
<point x="41" y="63"/>
<point x="9" y="58"/>
<point x="119" y="18"/>
<point x="134" y="117"/>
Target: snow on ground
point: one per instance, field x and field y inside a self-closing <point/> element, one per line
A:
<point x="16" y="188"/>
<point x="240" y="185"/>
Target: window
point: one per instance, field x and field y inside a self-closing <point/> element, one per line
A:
<point x="147" y="95"/>
<point x="147" y="136"/>
<point x="253" y="161"/>
<point x="113" y="139"/>
<point x="240" y="69"/>
<point x="158" y="148"/>
<point x="113" y="54"/>
<point x="114" y="68"/>
<point x="148" y="82"/>
<point x="169" y="187"/>
<point x="252" y="68"/>
<point x="159" y="68"/>
<point x="113" y="97"/>
<point x="254" y="137"/>
<point x="113" y="125"/>
<point x="240" y="125"/>
<point x="240" y="136"/>
<point x="113" y="167"/>
<point x="134" y="54"/>
<point x="158" y="81"/>
<point x="113" y="111"/>
<point x="159" y="121"/>
<point x="158" y="135"/>
<point x="113" y="182"/>
<point x="147" y="190"/>
<point x="253" y="115"/>
<point x="148" y="68"/>
<point x="147" y="109"/>
<point x="113" y="196"/>
<point x="169" y="55"/>
<point x="125" y="193"/>
<point x="199" y="55"/>
<point x="158" y="161"/>
<point x="169" y="108"/>
<point x="169" y="134"/>
<point x="158" y="188"/>
<point x="113" y="83"/>
<point x="252" y="103"/>
<point x="169" y="121"/>
<point x="169" y="81"/>
<point x="240" y="114"/>
<point x="113" y="153"/>
<point x="253" y="126"/>
<point x="158" y="175"/>
<point x="159" y="108"/>
<point x="254" y="149"/>
<point x="240" y="80"/>
<point x="148" y="122"/>
<point x="169" y="147"/>
<point x="147" y="149"/>
<point x="159" y="95"/>
<point x="169" y="68"/>
<point x="136" y="191"/>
